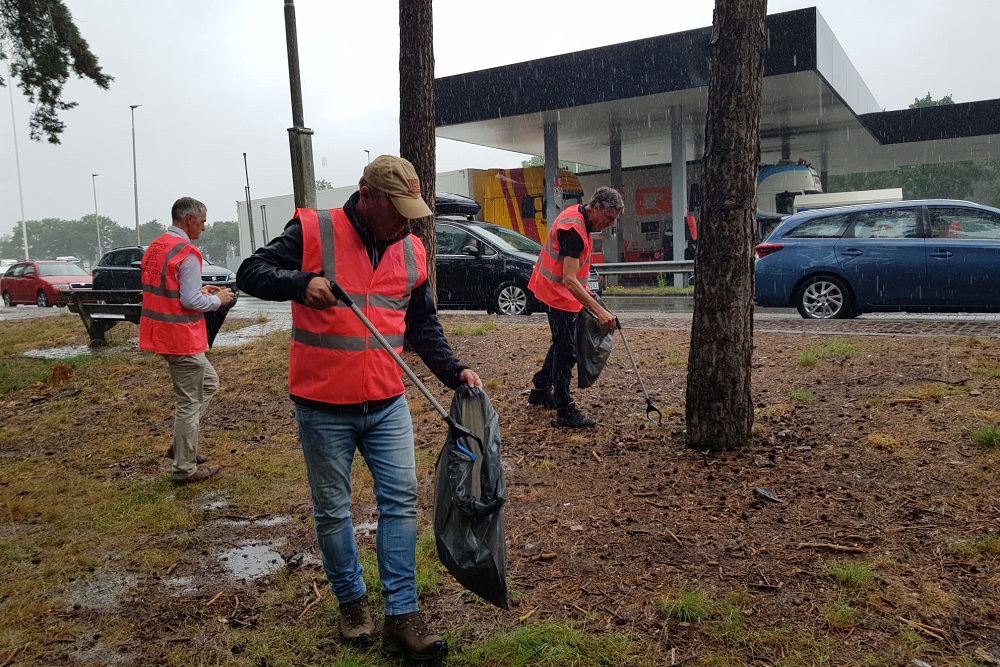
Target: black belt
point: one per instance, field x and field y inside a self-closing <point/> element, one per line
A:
<point x="346" y="408"/>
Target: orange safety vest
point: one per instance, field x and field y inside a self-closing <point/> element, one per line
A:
<point x="547" y="277"/>
<point x="333" y="358"/>
<point x="167" y="327"/>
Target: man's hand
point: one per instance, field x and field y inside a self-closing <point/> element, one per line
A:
<point x="469" y="377"/>
<point x="606" y="320"/>
<point x="319" y="295"/>
<point x="225" y="294"/>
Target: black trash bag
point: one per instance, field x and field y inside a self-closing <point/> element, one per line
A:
<point x="468" y="498"/>
<point x="214" y="320"/>
<point x="593" y="347"/>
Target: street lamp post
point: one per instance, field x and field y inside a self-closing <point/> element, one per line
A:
<point x="369" y="154"/>
<point x="135" y="179"/>
<point x="97" y="221"/>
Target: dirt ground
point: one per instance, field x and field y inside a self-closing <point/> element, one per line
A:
<point x="866" y="456"/>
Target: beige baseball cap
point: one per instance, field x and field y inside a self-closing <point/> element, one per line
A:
<point x="397" y="178"/>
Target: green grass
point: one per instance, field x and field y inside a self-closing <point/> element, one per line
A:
<point x="832" y="349"/>
<point x="649" y="290"/>
<point x="851" y="575"/>
<point x="802" y="395"/>
<point x="479" y="330"/>
<point x="987" y="437"/>
<point x="987" y="545"/>
<point x="687" y="605"/>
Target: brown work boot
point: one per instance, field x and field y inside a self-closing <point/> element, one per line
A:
<point x="197" y="476"/>
<point x="198" y="458"/>
<point x="356" y="623"/>
<point x="407" y="634"/>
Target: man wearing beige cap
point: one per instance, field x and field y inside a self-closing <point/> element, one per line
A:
<point x="348" y="392"/>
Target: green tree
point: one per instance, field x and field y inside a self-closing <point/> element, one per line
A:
<point x="324" y="184"/>
<point x="217" y="238"/>
<point x="148" y="231"/>
<point x="43" y="46"/>
<point x="957" y="180"/>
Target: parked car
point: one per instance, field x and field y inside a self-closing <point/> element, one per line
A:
<point x="40" y="282"/>
<point x="121" y="268"/>
<point x="482" y="265"/>
<point x="919" y="256"/>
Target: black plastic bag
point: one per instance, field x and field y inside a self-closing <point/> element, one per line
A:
<point x="593" y="347"/>
<point x="468" y="498"/>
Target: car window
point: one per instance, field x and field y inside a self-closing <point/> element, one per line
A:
<point x="116" y="258"/>
<point x="893" y="223"/>
<point x="29" y="271"/>
<point x="826" y="227"/>
<point x="135" y="256"/>
<point x="16" y="271"/>
<point x="963" y="223"/>
<point x="508" y="239"/>
<point x="66" y="269"/>
<point x="449" y="240"/>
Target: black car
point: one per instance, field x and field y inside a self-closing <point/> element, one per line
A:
<point x="482" y="265"/>
<point x="121" y="269"/>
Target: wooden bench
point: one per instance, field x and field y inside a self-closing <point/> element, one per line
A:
<point x="101" y="310"/>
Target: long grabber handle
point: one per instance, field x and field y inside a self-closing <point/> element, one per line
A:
<point x="456" y="429"/>
<point x="650" y="408"/>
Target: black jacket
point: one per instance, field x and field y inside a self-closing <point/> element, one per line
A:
<point x="274" y="273"/>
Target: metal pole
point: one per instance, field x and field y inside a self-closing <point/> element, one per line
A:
<point x="17" y="162"/>
<point x="299" y="136"/>
<point x="263" y="223"/>
<point x="135" y="179"/>
<point x="93" y="181"/>
<point x="369" y="154"/>
<point x="249" y="209"/>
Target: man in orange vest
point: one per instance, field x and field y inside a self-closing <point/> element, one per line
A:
<point x="348" y="391"/>
<point x="559" y="280"/>
<point x="173" y="326"/>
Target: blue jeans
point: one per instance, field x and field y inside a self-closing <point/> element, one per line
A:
<point x="385" y="440"/>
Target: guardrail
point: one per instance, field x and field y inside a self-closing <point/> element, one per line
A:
<point x="623" y="268"/>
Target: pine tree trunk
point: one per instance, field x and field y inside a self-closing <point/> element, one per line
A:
<point x="719" y="404"/>
<point x="417" y="120"/>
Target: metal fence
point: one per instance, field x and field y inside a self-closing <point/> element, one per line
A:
<point x="649" y="268"/>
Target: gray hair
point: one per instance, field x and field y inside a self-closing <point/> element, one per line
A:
<point x="607" y="198"/>
<point x="186" y="206"/>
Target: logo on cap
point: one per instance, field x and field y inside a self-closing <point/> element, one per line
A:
<point x="414" y="186"/>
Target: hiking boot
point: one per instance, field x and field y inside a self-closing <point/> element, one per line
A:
<point x="407" y="634"/>
<point x="573" y="418"/>
<point x="197" y="476"/>
<point x="198" y="458"/>
<point x="542" y="398"/>
<point x="356" y="623"/>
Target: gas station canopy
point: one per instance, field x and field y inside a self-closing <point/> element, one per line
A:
<point x="815" y="106"/>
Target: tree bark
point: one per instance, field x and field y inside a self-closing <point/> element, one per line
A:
<point x="719" y="405"/>
<point x="417" y="122"/>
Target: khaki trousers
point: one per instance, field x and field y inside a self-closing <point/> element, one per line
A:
<point x="195" y="382"/>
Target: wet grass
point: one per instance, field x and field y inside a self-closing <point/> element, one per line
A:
<point x="833" y="350"/>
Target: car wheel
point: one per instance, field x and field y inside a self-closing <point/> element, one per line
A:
<point x="512" y="299"/>
<point x="7" y="303"/>
<point x="824" y="298"/>
<point x="43" y="300"/>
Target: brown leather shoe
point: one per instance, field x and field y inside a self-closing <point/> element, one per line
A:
<point x="198" y="458"/>
<point x="197" y="476"/>
<point x="407" y="634"/>
<point x="356" y="623"/>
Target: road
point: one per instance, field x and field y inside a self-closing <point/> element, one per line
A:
<point x="675" y="314"/>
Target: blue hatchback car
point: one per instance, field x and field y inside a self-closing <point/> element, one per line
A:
<point x="933" y="255"/>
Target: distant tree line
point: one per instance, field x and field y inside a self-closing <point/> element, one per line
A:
<point x="54" y="237"/>
<point x="974" y="181"/>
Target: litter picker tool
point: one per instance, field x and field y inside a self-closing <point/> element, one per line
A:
<point x="650" y="408"/>
<point x="455" y="429"/>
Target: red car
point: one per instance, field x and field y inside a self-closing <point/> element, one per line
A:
<point x="40" y="281"/>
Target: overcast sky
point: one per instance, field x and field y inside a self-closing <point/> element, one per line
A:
<point x="212" y="79"/>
